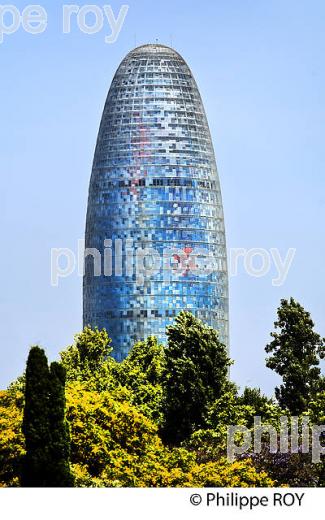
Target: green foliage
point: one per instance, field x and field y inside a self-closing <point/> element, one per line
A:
<point x="316" y="413"/>
<point x="210" y="443"/>
<point x="59" y="474"/>
<point x="114" y="445"/>
<point x="136" y="380"/>
<point x="295" y="354"/>
<point x="157" y="419"/>
<point x="196" y="374"/>
<point x="316" y="408"/>
<point x="46" y="463"/>
<point x="224" y="474"/>
<point x="149" y="357"/>
<point x="228" y="410"/>
<point x="12" y="444"/>
<point x="109" y="439"/>
<point x="254" y="397"/>
<point x="261" y="406"/>
<point x="88" y="359"/>
<point x="36" y="426"/>
<point x="141" y="373"/>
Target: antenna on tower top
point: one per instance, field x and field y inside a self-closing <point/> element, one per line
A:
<point x="135" y="39"/>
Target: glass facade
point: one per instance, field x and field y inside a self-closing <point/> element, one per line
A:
<point x="155" y="210"/>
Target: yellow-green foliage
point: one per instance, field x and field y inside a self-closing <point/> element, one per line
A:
<point x="110" y="439"/>
<point x="223" y="474"/>
<point x="11" y="437"/>
<point x="316" y="410"/>
<point x="137" y="379"/>
<point x="114" y="445"/>
<point x="115" y="411"/>
<point x="159" y="418"/>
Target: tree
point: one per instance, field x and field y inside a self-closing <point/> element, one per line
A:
<point x="264" y="407"/>
<point x="141" y="373"/>
<point x="295" y="353"/>
<point x="46" y="463"/>
<point x="12" y="450"/>
<point x="59" y="474"/>
<point x="114" y="443"/>
<point x="88" y="355"/>
<point x="149" y="357"/>
<point x="254" y="397"/>
<point x="195" y="376"/>
<point x="36" y="427"/>
<point x="226" y="411"/>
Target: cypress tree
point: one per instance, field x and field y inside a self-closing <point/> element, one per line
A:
<point x="46" y="463"/>
<point x="59" y="474"/>
<point x="36" y="426"/>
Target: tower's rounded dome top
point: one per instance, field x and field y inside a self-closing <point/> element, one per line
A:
<point x="153" y="49"/>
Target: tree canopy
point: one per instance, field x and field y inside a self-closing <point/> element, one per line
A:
<point x="296" y="351"/>
<point x="160" y="417"/>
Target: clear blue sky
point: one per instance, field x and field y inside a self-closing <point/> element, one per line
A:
<point x="261" y="72"/>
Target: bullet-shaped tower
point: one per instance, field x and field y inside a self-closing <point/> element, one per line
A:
<point x="155" y="235"/>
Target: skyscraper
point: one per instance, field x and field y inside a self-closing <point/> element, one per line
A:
<point x="155" y="211"/>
